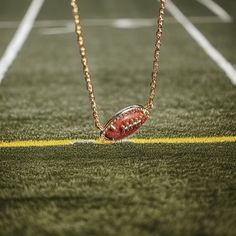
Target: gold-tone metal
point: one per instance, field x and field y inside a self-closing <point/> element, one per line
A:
<point x="155" y="68"/>
<point x="84" y="60"/>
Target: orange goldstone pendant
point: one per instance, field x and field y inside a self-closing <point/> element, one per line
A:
<point x="125" y="122"/>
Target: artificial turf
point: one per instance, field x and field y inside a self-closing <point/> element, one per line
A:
<point x="121" y="189"/>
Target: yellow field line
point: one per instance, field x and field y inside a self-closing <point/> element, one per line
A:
<point x="66" y="142"/>
<point x="35" y="143"/>
<point x="187" y="140"/>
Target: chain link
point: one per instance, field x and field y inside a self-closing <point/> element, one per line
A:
<point x="155" y="68"/>
<point x="84" y="60"/>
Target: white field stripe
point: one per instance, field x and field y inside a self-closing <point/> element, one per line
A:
<point x="20" y="36"/>
<point x="122" y="23"/>
<point x="212" y="52"/>
<point x="37" y="24"/>
<point x="218" y="10"/>
<point x="137" y="22"/>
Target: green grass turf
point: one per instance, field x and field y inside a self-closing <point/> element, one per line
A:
<point x="118" y="189"/>
<point x="10" y="11"/>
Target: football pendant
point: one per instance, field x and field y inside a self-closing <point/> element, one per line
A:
<point x="125" y="122"/>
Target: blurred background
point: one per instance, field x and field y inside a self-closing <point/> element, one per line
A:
<point x="43" y="85"/>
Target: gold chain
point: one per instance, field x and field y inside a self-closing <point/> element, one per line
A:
<point x="84" y="60"/>
<point x="155" y="69"/>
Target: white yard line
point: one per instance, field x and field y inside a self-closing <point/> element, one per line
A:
<point x="212" y="52"/>
<point x="137" y="22"/>
<point x="216" y="9"/>
<point x="122" y="23"/>
<point x="206" y="20"/>
<point x="58" y="30"/>
<point x="20" y="36"/>
<point x="37" y="24"/>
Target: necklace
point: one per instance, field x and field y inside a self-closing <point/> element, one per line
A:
<point x="130" y="119"/>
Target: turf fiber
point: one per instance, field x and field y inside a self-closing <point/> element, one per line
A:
<point x="119" y="189"/>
